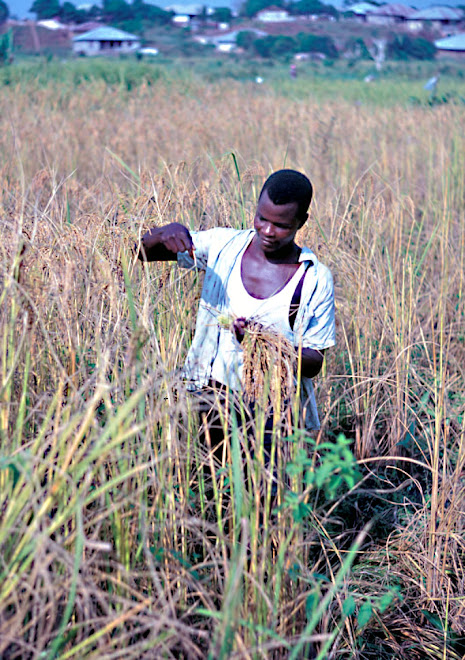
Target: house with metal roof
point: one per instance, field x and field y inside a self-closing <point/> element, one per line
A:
<point x="361" y="8"/>
<point x="452" y="46"/>
<point x="389" y="13"/>
<point x="273" y="14"/>
<point x="105" y="41"/>
<point x="435" y="17"/>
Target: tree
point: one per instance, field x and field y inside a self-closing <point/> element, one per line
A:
<point x="275" y="46"/>
<point x="356" y="49"/>
<point x="264" y="46"/>
<point x="117" y="11"/>
<point x="222" y="15"/>
<point x="6" y="47"/>
<point x="245" y="39"/>
<point x="403" y="47"/>
<point x="283" y="45"/>
<point x="315" y="43"/>
<point x="150" y="14"/>
<point x="45" y="9"/>
<point x="4" y="11"/>
<point x="70" y="14"/>
<point x="307" y="7"/>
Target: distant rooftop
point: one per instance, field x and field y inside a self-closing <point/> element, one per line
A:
<point x="52" y="24"/>
<point x="455" y="43"/>
<point x="393" y="10"/>
<point x="106" y="34"/>
<point x="438" y="14"/>
<point x="361" y="8"/>
<point x="185" y="9"/>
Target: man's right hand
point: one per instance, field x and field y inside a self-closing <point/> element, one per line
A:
<point x="163" y="243"/>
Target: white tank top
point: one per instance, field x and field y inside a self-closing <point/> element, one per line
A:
<point x="272" y="312"/>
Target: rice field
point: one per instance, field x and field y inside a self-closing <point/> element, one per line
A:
<point x="122" y="535"/>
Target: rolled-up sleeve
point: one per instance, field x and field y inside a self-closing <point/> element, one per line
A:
<point x="203" y="240"/>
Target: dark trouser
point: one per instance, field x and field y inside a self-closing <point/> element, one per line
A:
<point x="219" y="411"/>
<point x="216" y="405"/>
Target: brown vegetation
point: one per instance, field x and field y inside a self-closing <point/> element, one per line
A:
<point x="111" y="543"/>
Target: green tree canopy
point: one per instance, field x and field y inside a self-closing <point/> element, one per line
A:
<point x="306" y="7"/>
<point x="403" y="47"/>
<point x="70" y="14"/>
<point x="117" y="11"/>
<point x="316" y="43"/>
<point x="150" y="14"/>
<point x="283" y="45"/>
<point x="45" y="9"/>
<point x="4" y="11"/>
<point x="222" y="15"/>
<point x="356" y="48"/>
<point x="245" y="39"/>
<point x="6" y="47"/>
<point x="134" y="17"/>
<point x="278" y="46"/>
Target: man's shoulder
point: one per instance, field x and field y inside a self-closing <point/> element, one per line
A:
<point x="319" y="270"/>
<point x="224" y="232"/>
<point x="318" y="280"/>
<point x="324" y="273"/>
<point x="220" y="236"/>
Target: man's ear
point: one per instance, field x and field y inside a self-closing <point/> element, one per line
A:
<point x="303" y="220"/>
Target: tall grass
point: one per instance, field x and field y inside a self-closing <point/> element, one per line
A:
<point x="116" y="540"/>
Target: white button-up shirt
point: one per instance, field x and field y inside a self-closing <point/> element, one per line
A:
<point x="216" y="252"/>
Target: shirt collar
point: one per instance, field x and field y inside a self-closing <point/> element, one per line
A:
<point x="307" y="255"/>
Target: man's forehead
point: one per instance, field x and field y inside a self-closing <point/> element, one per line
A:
<point x="286" y="211"/>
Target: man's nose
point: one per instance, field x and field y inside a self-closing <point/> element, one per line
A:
<point x="268" y="229"/>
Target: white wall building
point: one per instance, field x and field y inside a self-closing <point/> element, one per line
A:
<point x="273" y="15"/>
<point x="105" y="41"/>
<point x="435" y="17"/>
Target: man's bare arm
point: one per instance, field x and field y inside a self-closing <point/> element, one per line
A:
<point x="164" y="243"/>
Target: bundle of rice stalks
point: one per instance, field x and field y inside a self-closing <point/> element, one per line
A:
<point x="269" y="364"/>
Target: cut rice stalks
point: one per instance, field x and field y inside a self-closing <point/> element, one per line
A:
<point x="269" y="364"/>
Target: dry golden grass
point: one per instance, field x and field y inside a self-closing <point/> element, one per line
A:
<point x="109" y="546"/>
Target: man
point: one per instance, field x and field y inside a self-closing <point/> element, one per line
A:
<point x="256" y="275"/>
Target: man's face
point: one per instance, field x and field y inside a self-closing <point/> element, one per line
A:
<point x="276" y="225"/>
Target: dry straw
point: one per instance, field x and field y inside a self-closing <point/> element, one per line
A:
<point x="113" y="540"/>
<point x="268" y="364"/>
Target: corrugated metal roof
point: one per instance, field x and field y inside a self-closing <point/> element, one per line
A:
<point x="393" y="10"/>
<point x="361" y="8"/>
<point x="185" y="9"/>
<point x="457" y="43"/>
<point x="438" y="14"/>
<point x="106" y="34"/>
<point x="85" y="27"/>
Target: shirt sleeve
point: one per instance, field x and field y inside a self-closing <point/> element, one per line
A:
<point x="202" y="242"/>
<point x="319" y="331"/>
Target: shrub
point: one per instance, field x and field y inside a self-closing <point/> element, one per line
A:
<point x="245" y="39"/>
<point x="306" y="7"/>
<point x="356" y="48"/>
<point x="315" y="43"/>
<point x="6" y="47"/>
<point x="284" y="45"/>
<point x="275" y="46"/>
<point x="403" y="47"/>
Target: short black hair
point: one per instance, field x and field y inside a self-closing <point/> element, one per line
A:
<point x="286" y="186"/>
